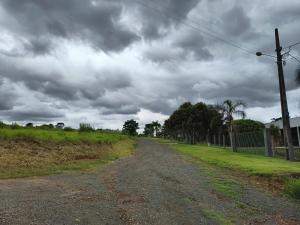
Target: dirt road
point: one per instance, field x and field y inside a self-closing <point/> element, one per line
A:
<point x="155" y="186"/>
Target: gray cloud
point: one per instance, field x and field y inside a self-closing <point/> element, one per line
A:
<point x="95" y="22"/>
<point x="171" y="64"/>
<point x="157" y="16"/>
<point x="55" y="85"/>
<point x="39" y="114"/>
<point x="235" y="21"/>
<point x="194" y="43"/>
<point x="8" y="96"/>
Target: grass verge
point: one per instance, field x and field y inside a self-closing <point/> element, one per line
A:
<point x="37" y="155"/>
<point x="281" y="170"/>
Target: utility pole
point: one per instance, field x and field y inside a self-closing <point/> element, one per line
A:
<point x="288" y="142"/>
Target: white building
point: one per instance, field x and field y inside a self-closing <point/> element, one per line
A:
<point x="295" y="128"/>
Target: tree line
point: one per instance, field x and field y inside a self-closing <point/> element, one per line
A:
<point x="192" y="123"/>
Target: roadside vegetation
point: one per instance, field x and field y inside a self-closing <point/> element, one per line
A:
<point x="284" y="173"/>
<point x="26" y="152"/>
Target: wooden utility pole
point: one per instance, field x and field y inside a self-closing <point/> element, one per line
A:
<point x="288" y="142"/>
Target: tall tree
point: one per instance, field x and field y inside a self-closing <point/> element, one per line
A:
<point x="156" y="127"/>
<point x="191" y="123"/>
<point x="149" y="130"/>
<point x="130" y="127"/>
<point x="229" y="109"/>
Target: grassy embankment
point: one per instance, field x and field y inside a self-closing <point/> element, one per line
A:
<point x="36" y="152"/>
<point x="284" y="172"/>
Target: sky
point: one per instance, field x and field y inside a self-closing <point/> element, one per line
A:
<point x="106" y="61"/>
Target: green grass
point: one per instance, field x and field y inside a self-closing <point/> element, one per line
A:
<point x="248" y="163"/>
<point x="34" y="152"/>
<point x="252" y="164"/>
<point x="55" y="135"/>
<point x="218" y="217"/>
<point x="292" y="188"/>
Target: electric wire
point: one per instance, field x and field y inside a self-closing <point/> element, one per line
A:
<point x="295" y="58"/>
<point x="290" y="46"/>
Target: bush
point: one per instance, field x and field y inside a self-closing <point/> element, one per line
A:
<point x="68" y="129"/>
<point x="85" y="127"/>
<point x="246" y="125"/>
<point x="292" y="188"/>
<point x="3" y="125"/>
<point x="15" y="126"/>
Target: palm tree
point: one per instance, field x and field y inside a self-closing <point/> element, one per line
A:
<point x="229" y="109"/>
<point x="156" y="126"/>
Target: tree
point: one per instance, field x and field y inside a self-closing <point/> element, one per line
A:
<point x="29" y="125"/>
<point x="229" y="109"/>
<point x="130" y="127"/>
<point x="243" y="125"/>
<point x="85" y="127"/>
<point x="156" y="127"/>
<point x="149" y="130"/>
<point x="191" y="123"/>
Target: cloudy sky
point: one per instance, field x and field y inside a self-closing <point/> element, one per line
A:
<point x="106" y="61"/>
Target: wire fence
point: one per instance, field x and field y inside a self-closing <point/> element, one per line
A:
<point x="248" y="142"/>
<point x="251" y="142"/>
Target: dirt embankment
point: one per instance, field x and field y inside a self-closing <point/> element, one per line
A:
<point x="21" y="158"/>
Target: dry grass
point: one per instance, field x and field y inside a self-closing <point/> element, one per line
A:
<point x="23" y="158"/>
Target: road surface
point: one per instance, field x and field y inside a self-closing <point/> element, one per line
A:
<point x="155" y="186"/>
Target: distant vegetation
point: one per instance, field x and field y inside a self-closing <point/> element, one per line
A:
<point x="153" y="129"/>
<point x="194" y="123"/>
<point x="130" y="127"/>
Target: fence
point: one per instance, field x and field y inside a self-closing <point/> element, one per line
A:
<point x="258" y="142"/>
<point x="250" y="142"/>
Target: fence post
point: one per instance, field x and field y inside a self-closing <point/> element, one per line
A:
<point x="233" y="141"/>
<point x="207" y="139"/>
<point x="268" y="143"/>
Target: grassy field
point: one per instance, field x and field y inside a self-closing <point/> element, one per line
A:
<point x="34" y="152"/>
<point x="288" y="172"/>
<point x="56" y="135"/>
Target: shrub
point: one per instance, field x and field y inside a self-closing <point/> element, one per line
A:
<point x="292" y="188"/>
<point x="15" y="126"/>
<point x="29" y="125"/>
<point x="68" y="129"/>
<point x="85" y="127"/>
<point x="3" y="125"/>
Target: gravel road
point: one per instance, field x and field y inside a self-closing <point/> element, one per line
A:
<point x="155" y="186"/>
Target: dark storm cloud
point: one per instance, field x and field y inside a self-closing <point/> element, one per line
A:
<point x="186" y="46"/>
<point x="235" y="21"/>
<point x="39" y="46"/>
<point x="193" y="42"/>
<point x="7" y="95"/>
<point x="95" y="22"/>
<point x="157" y="16"/>
<point x="57" y="86"/>
<point x="38" y="114"/>
<point x="121" y="110"/>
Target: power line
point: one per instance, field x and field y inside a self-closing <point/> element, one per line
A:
<point x="208" y="33"/>
<point x="290" y="46"/>
<point x="294" y="58"/>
